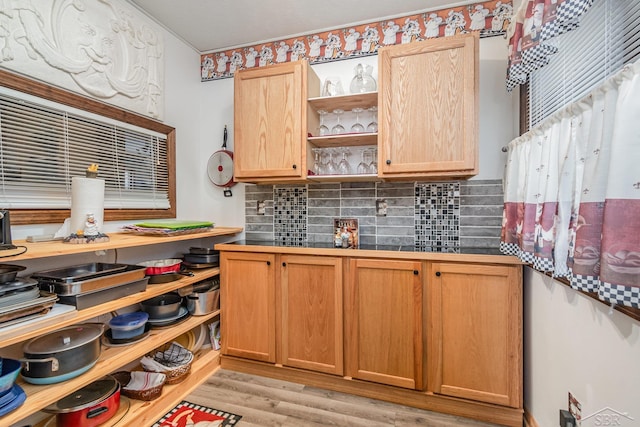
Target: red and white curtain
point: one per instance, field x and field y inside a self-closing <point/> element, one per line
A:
<point x="572" y="192"/>
<point x="534" y="24"/>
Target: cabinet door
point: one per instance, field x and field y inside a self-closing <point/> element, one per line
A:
<point x="312" y="313"/>
<point x="428" y="108"/>
<point x="474" y="332"/>
<point x="384" y="341"/>
<point x="247" y="305"/>
<point x="270" y="121"/>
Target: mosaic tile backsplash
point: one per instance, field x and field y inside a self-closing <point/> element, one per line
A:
<point x="437" y="216"/>
<point x="290" y="215"/>
<point x="443" y="215"/>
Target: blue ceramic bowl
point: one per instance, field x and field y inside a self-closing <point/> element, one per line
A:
<point x="10" y="371"/>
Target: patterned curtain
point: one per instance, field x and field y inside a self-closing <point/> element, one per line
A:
<point x="536" y="22"/>
<point x="572" y="192"/>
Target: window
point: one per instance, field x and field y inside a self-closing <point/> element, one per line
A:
<point x="607" y="39"/>
<point x="46" y="140"/>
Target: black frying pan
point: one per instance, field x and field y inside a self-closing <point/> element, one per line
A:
<point x="171" y="276"/>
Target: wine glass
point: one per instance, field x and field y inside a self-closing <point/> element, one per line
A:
<point x="373" y="166"/>
<point x="357" y="126"/>
<point x="363" y="166"/>
<point x="373" y="126"/>
<point x="323" y="130"/>
<point x="337" y="128"/>
<point x="317" y="165"/>
<point x="331" y="168"/>
<point x="344" y="168"/>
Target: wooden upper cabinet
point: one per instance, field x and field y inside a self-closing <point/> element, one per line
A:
<point x="428" y="108"/>
<point x="474" y="331"/>
<point x="248" y="305"/>
<point x="270" y="121"/>
<point x="384" y="322"/>
<point x="311" y="319"/>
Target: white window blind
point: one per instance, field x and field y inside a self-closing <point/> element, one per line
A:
<point x="43" y="146"/>
<point x="607" y="39"/>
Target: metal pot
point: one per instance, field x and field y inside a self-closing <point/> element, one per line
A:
<point x="201" y="303"/>
<point x="202" y="259"/>
<point x="8" y="272"/>
<point x="162" y="306"/>
<point x="159" y="266"/>
<point x="62" y="354"/>
<point x="90" y="406"/>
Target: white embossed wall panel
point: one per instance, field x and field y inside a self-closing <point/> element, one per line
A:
<point x="105" y="49"/>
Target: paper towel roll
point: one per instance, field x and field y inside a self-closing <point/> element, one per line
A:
<point x="87" y="196"/>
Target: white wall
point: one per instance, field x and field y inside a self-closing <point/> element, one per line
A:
<point x="195" y="112"/>
<point x="573" y="344"/>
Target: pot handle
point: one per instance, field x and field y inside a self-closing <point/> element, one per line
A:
<point x="55" y="365"/>
<point x="92" y="413"/>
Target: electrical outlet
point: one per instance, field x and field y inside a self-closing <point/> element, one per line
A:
<point x="575" y="408"/>
<point x="566" y="419"/>
<point x="260" y="207"/>
<point x="381" y="207"/>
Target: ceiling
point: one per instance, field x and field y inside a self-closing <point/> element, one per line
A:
<point x="209" y="25"/>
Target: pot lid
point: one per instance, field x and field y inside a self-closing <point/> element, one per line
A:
<point x="64" y="339"/>
<point x="88" y="396"/>
<point x="130" y="319"/>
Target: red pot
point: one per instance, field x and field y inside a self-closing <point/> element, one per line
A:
<point x="90" y="406"/>
<point x="159" y="266"/>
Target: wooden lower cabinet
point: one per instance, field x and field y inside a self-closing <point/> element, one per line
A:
<point x="440" y="335"/>
<point x="384" y="322"/>
<point x="248" y="305"/>
<point x="474" y="331"/>
<point x="311" y="313"/>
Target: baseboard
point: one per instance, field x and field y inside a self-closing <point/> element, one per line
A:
<point x="529" y="421"/>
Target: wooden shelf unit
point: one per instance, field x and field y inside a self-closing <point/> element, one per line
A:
<point x="146" y="413"/>
<point x="344" y="140"/>
<point x="46" y="325"/>
<point x="344" y="102"/>
<point x="113" y="358"/>
<point x="116" y="241"/>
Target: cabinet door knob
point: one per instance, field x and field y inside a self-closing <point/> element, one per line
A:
<point x="268" y="262"/>
<point x="388" y="161"/>
<point x="284" y="264"/>
<point x="416" y="272"/>
<point x="438" y="273"/>
<point x="295" y="166"/>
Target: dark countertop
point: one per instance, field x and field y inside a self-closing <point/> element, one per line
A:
<point x="391" y="248"/>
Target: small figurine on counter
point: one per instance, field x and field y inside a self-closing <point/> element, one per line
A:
<point x="91" y="226"/>
<point x="92" y="171"/>
<point x="90" y="234"/>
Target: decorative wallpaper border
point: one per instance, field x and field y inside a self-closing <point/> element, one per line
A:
<point x="491" y="18"/>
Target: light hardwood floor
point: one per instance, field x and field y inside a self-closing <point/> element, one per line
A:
<point x="265" y="402"/>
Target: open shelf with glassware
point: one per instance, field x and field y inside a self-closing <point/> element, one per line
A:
<point x="349" y="139"/>
<point x="112" y="358"/>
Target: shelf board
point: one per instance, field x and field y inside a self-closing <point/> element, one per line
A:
<point x="35" y="329"/>
<point x="116" y="241"/>
<point x="111" y="358"/>
<point x="345" y="140"/>
<point x="205" y="364"/>
<point x="343" y="178"/>
<point x="344" y="102"/>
